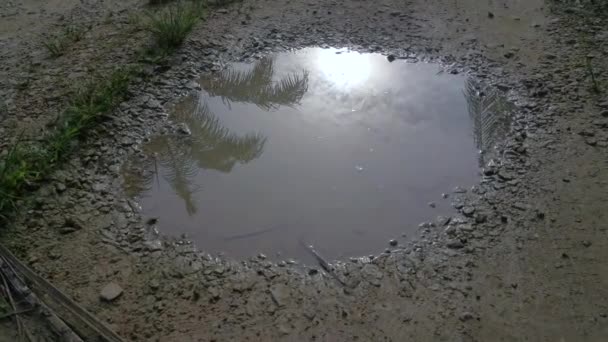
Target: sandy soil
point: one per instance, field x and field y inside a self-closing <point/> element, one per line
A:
<point x="527" y="264"/>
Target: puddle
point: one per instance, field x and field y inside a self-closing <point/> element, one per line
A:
<point x="327" y="147"/>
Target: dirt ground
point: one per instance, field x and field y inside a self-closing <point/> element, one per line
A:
<point x="523" y="258"/>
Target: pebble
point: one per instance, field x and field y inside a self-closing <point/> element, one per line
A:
<point x="280" y="294"/>
<point x="393" y="242"/>
<point x="468" y="211"/>
<point x="459" y="190"/>
<point x="60" y="187"/>
<point x="591" y="141"/>
<point x="505" y="175"/>
<point x="455" y="244"/>
<point x="110" y="292"/>
<point x="466" y="316"/>
<point x="183" y="128"/>
<point x="520" y="206"/>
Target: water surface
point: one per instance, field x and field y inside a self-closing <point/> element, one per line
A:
<point x="337" y="149"/>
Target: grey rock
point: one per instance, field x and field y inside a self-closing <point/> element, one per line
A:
<point x="393" y="242"/>
<point x="154" y="284"/>
<point x="372" y="274"/>
<point x="459" y="190"/>
<point x="591" y="141"/>
<point x="432" y="204"/>
<point x="468" y="211"/>
<point x="466" y="316"/>
<point x="60" y="187"/>
<point x="214" y="293"/>
<point x="455" y="244"/>
<point x="443" y="220"/>
<point x="520" y="206"/>
<point x="75" y="223"/>
<point x="280" y="294"/>
<point x="110" y="292"/>
<point x="182" y="128"/>
<point x="505" y="175"/>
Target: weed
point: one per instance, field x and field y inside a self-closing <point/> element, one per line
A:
<point x="159" y="2"/>
<point x="170" y="26"/>
<point x="221" y="3"/>
<point x="73" y="33"/>
<point x="27" y="163"/>
<point x="56" y="46"/>
<point x="595" y="85"/>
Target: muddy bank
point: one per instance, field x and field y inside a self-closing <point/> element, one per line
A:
<point x="528" y="238"/>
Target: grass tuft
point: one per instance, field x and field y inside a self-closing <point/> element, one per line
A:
<point x="58" y="45"/>
<point x="28" y="162"/>
<point x="595" y="85"/>
<point x="170" y="26"/>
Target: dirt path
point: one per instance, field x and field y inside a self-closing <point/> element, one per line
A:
<point x="528" y="264"/>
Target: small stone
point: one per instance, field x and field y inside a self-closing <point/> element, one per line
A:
<point x="432" y="204"/>
<point x="519" y="206"/>
<point x="393" y="242"/>
<point x="604" y="113"/>
<point x="481" y="218"/>
<point x="540" y="214"/>
<point x="280" y="294"/>
<point x="313" y="271"/>
<point x="110" y="292"/>
<point x="391" y="58"/>
<point x="184" y="129"/>
<point x="591" y="141"/>
<point x="505" y="175"/>
<point x="214" y="293"/>
<point x="459" y="190"/>
<point x="154" y="284"/>
<point x="466" y="316"/>
<point x="75" y="223"/>
<point x="67" y="230"/>
<point x="455" y="244"/>
<point x="468" y="211"/>
<point x="444" y="195"/>
<point x="443" y="220"/>
<point x="54" y="255"/>
<point x="262" y="256"/>
<point x="152" y="220"/>
<point x="60" y="187"/>
<point x="490" y="15"/>
<point x="503" y="87"/>
<point x="550" y="56"/>
<point x="586" y="243"/>
<point x="284" y="329"/>
<point x="509" y="54"/>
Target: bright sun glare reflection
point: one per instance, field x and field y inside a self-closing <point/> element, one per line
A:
<point x="344" y="69"/>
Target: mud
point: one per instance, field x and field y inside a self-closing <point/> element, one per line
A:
<point x="523" y="258"/>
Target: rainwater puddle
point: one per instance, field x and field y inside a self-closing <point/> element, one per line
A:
<point x="322" y="146"/>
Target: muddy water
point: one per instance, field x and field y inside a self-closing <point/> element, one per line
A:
<point x="327" y="147"/>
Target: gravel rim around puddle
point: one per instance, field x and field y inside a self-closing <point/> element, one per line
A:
<point x="523" y="258"/>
